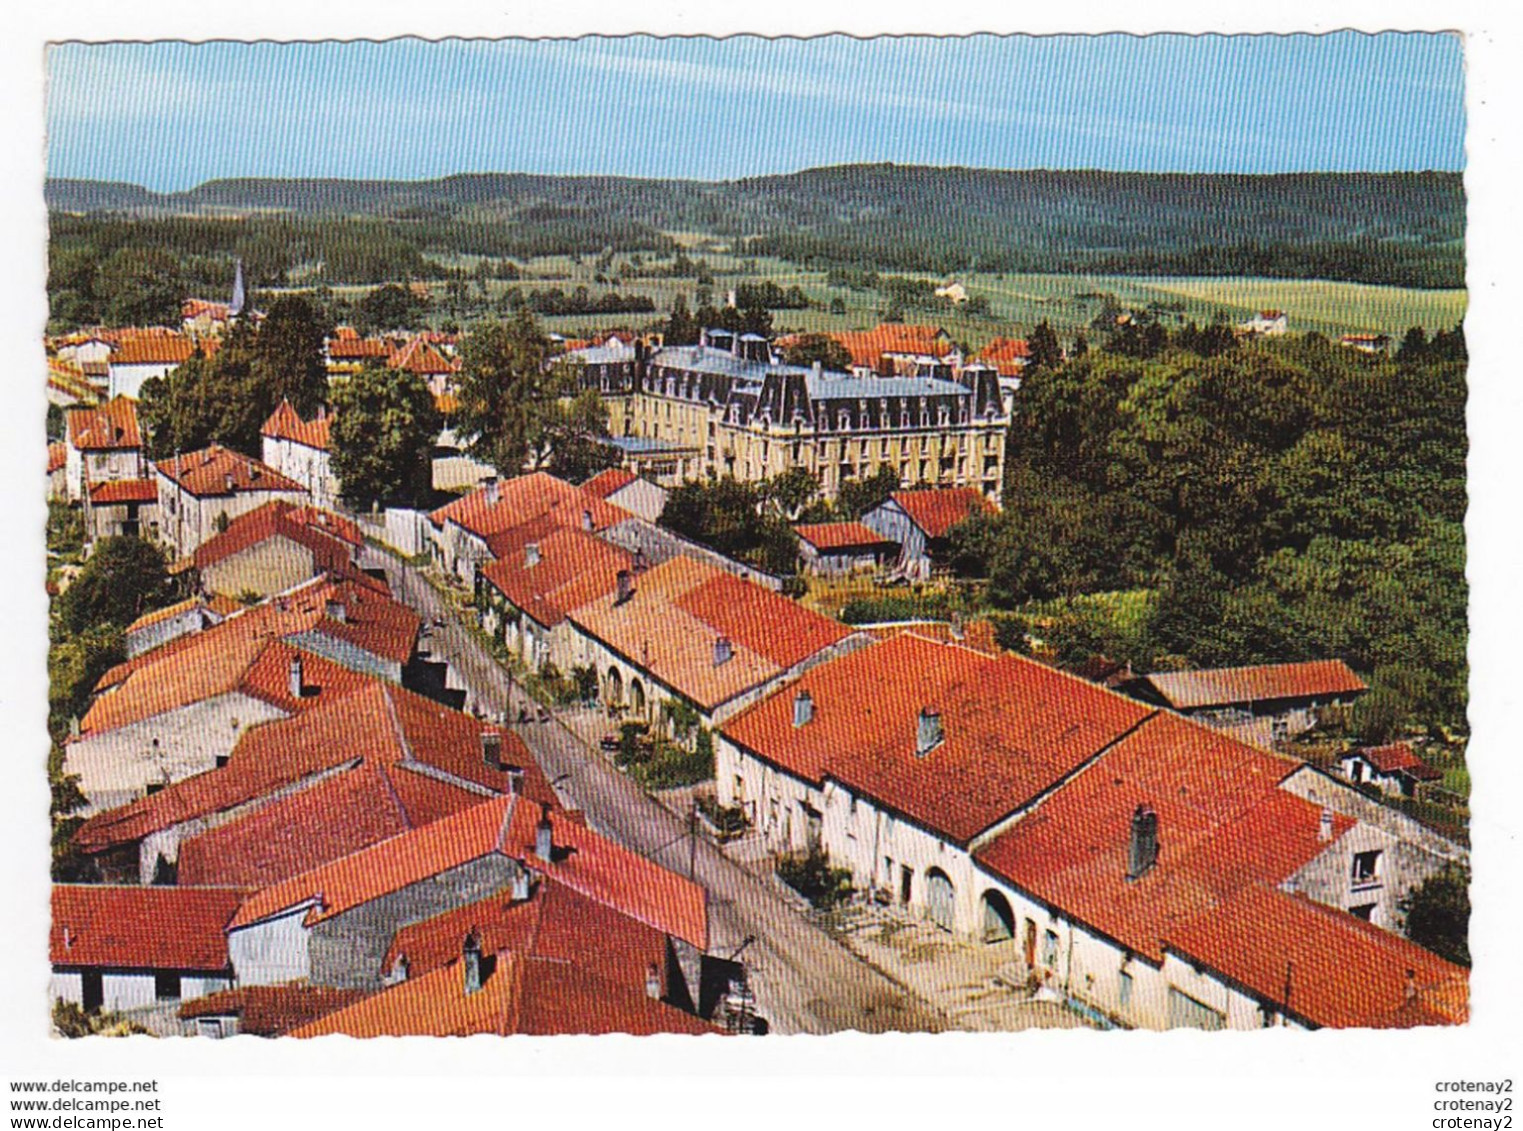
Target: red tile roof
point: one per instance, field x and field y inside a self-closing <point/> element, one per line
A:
<point x="116" y="491"/>
<point x="937" y="509"/>
<point x="867" y="347"/>
<point x="1008" y="355"/>
<point x="351" y="347"/>
<point x="573" y="567"/>
<point x="605" y="483"/>
<point x="208" y="472"/>
<point x="285" y="424"/>
<point x="520" y="994"/>
<point x="164" y="348"/>
<point x="1013" y="728"/>
<point x="840" y="536"/>
<point x="1341" y="972"/>
<point x="190" y="674"/>
<point x="329" y="537"/>
<point x="1220" y="687"/>
<point x="141" y="928"/>
<point x="1399" y="757"/>
<point x="418" y="356"/>
<point x="1223" y="822"/>
<point x="272" y="1011"/>
<point x="330" y="820"/>
<point x="58" y="455"/>
<point x="524" y="498"/>
<point x="102" y="428"/>
<point x="678" y="612"/>
<point x="377" y="727"/>
<point x="587" y="863"/>
<point x="555" y="922"/>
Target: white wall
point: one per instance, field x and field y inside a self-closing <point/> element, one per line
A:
<point x="116" y="766"/>
<point x="273" y="951"/>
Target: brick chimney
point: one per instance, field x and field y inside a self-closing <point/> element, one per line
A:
<point x="928" y="731"/>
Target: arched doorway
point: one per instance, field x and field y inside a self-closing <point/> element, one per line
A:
<point x="613" y="690"/>
<point x="940" y="899"/>
<point x="999" y="919"/>
<point x="637" y="697"/>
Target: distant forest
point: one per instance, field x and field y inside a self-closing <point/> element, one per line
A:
<point x="1404" y="229"/>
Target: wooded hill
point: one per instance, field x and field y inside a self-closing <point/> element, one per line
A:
<point x="1397" y="228"/>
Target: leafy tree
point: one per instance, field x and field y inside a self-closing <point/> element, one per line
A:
<point x="822" y="348"/>
<point x="389" y="307"/>
<point x="75" y="666"/>
<point x="383" y="434"/>
<point x="576" y="438"/>
<point x="681" y="328"/>
<point x="791" y="492"/>
<point x="1414" y="345"/>
<point x="224" y="399"/>
<point x="124" y="578"/>
<point x="140" y="286"/>
<point x="858" y="496"/>
<point x="732" y="517"/>
<point x="289" y="355"/>
<point x="838" y="305"/>
<point x="1438" y="914"/>
<point x="1045" y="352"/>
<point x="519" y="403"/>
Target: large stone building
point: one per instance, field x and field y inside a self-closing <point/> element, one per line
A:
<point x="736" y="410"/>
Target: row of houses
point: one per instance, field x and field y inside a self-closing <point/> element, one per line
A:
<point x="1146" y="867"/>
<point x="294" y="836"/>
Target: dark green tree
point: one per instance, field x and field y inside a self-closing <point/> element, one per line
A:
<point x="289" y="359"/>
<point x="1045" y="353"/>
<point x="383" y="435"/>
<point x="388" y="307"/>
<point x="1438" y="914"/>
<point x="140" y="286"/>
<point x="124" y="578"/>
<point x="514" y="390"/>
<point x="858" y="496"/>
<point x="1414" y="345"/>
<point x="822" y="348"/>
<point x="681" y="328"/>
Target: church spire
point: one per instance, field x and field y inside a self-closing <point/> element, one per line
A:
<point x="235" y="306"/>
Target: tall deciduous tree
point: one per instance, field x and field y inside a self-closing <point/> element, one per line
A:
<point x="382" y="436"/>
<point x="1045" y="353"/>
<point x="1438" y="915"/>
<point x="140" y="286"/>
<point x="518" y="398"/>
<point x="289" y="355"/>
<point x="124" y="578"/>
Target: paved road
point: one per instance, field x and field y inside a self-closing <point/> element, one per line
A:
<point x="805" y="981"/>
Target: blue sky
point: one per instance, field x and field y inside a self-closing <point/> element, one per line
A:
<point x="171" y="115"/>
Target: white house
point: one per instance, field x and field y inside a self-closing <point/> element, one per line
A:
<point x="299" y="450"/>
<point x="631" y="492"/>
<point x="141" y="356"/>
<point x="1269" y="323"/>
<point x="104" y="445"/>
<point x="202" y="492"/>
<point x="139" y="950"/>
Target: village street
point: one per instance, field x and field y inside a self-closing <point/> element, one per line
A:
<point x="804" y="980"/>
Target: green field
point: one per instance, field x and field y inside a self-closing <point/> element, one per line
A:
<point x="1016" y="302"/>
